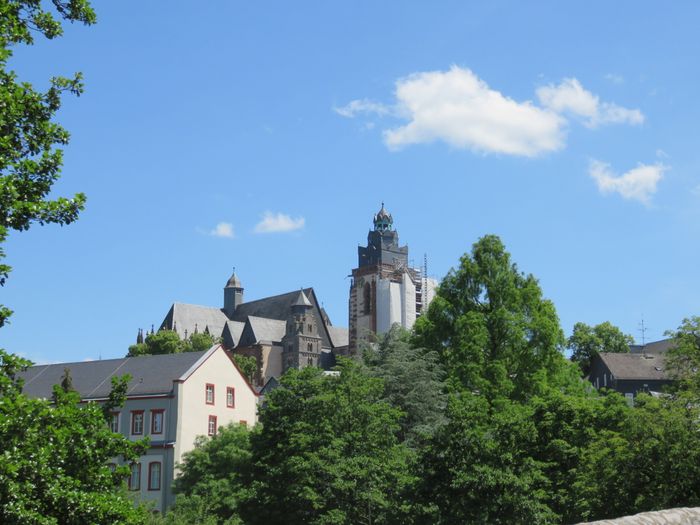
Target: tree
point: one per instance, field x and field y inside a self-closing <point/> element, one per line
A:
<point x="54" y="457"/>
<point x="588" y="341"/>
<point x="414" y="382"/>
<point x="683" y="359"/>
<point x="30" y="162"/>
<point x="248" y="366"/>
<point x="491" y="326"/>
<point x="327" y="452"/>
<point x="214" y="478"/>
<point x="169" y="342"/>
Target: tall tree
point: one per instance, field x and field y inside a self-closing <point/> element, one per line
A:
<point x="588" y="341"/>
<point x="414" y="382"/>
<point x="683" y="360"/>
<point x="495" y="332"/>
<point x="327" y="452"/>
<point x="30" y="161"/>
<point x="169" y="342"/>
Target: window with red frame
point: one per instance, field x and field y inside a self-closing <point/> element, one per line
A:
<point x="135" y="477"/>
<point x="137" y="422"/>
<point x="211" y="430"/>
<point x="209" y="394"/>
<point x="230" y="397"/>
<point x="157" y="417"/>
<point x="154" y="475"/>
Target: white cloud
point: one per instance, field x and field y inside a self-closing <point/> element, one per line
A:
<point x="223" y="229"/>
<point x="637" y="184"/>
<point x="571" y="97"/>
<point x="356" y="107"/>
<point x="459" y="108"/>
<point x="615" y="78"/>
<point x="278" y="222"/>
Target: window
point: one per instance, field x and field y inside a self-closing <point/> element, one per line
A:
<point x="154" y="476"/>
<point x="243" y="422"/>
<point x="114" y="422"/>
<point x="230" y="397"/>
<point x="209" y="394"/>
<point x="135" y="477"/>
<point x="310" y="347"/>
<point x="157" y="421"/>
<point x="366" y="299"/>
<point x="311" y="328"/>
<point x="137" y="422"/>
<point x="211" y="431"/>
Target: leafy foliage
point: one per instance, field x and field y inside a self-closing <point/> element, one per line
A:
<point x="169" y="342"/>
<point x="588" y="341"/>
<point x="495" y="332"/>
<point x="684" y="358"/>
<point x="248" y="366"/>
<point x="414" y="382"/>
<point x="54" y="458"/>
<point x="30" y="162"/>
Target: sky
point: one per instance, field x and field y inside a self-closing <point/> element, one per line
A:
<point x="265" y="135"/>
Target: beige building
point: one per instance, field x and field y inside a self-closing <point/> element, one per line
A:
<point x="172" y="399"/>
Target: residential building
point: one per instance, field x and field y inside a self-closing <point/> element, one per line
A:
<point x="643" y="369"/>
<point x="171" y="399"/>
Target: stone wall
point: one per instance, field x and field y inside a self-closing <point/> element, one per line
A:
<point x="682" y="516"/>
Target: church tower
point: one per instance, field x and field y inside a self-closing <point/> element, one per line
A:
<point x="233" y="294"/>
<point x="301" y="344"/>
<point x="384" y="290"/>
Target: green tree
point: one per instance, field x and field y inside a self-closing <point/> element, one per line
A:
<point x="248" y="366"/>
<point x="683" y="360"/>
<point x="588" y="341"/>
<point x="169" y="342"/>
<point x="30" y="161"/>
<point x="494" y="331"/>
<point x="414" y="382"/>
<point x="54" y="458"/>
<point x="327" y="452"/>
<point x="214" y="478"/>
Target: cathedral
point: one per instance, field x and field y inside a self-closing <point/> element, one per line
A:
<point x="292" y="330"/>
<point x="384" y="289"/>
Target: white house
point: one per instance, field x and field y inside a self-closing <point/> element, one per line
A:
<point x="171" y="398"/>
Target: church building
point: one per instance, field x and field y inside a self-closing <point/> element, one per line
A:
<point x="384" y="289"/>
<point x="284" y="331"/>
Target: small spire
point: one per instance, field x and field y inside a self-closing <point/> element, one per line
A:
<point x="185" y="333"/>
<point x="196" y="330"/>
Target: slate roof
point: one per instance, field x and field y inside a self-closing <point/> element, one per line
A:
<point x="152" y="374"/>
<point x="260" y="329"/>
<point x="184" y="316"/>
<point x="636" y="366"/>
<point x="657" y="347"/>
<point x="339" y="336"/>
<point x="232" y="333"/>
<point x="279" y="307"/>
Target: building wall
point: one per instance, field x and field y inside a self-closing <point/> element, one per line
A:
<point x="219" y="371"/>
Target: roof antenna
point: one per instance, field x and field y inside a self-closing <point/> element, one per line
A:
<point x="643" y="330"/>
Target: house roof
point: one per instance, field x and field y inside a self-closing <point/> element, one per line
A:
<point x="657" y="347"/>
<point x="636" y="366"/>
<point x="193" y="317"/>
<point x="232" y="333"/>
<point x="150" y="375"/>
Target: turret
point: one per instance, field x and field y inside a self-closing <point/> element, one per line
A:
<point x="233" y="294"/>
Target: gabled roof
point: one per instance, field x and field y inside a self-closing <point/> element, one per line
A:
<point x="150" y="375"/>
<point x="636" y="366"/>
<point x="339" y="336"/>
<point x="232" y="333"/>
<point x="193" y="317"/>
<point x="279" y="307"/>
<point x="262" y="330"/>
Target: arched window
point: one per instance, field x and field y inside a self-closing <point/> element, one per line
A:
<point x="310" y="347"/>
<point x="367" y="299"/>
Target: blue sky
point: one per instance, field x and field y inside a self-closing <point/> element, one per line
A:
<point x="264" y="135"/>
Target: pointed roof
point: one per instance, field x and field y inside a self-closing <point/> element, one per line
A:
<point x="233" y="281"/>
<point x="302" y="300"/>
